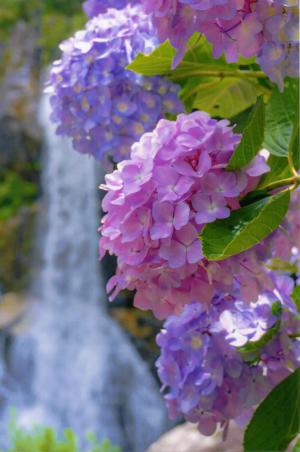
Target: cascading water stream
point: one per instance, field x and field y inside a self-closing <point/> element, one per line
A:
<point x="75" y="366"/>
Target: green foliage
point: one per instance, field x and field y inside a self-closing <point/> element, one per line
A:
<point x="277" y="264"/>
<point x="294" y="146"/>
<point x="55" y="27"/>
<point x="221" y="89"/>
<point x="296" y="448"/>
<point x="296" y="297"/>
<point x="15" y="192"/>
<point x="252" y="139"/>
<point x="45" y="440"/>
<point x="245" y="227"/>
<point x="54" y="20"/>
<point x="281" y="112"/>
<point x="224" y="97"/>
<point x="159" y="62"/>
<point x="276" y="421"/>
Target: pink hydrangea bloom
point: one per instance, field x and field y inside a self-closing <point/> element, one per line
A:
<point x="157" y="204"/>
<point x="267" y="29"/>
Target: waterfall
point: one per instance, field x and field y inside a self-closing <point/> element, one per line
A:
<point x="75" y="366"/>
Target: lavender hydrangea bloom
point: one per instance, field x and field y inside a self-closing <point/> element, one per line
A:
<point x="208" y="378"/>
<point x="95" y="100"/>
<point x="262" y="28"/>
<point x="158" y="202"/>
<point x="279" y="53"/>
<point x="94" y="7"/>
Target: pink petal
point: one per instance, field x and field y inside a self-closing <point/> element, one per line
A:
<point x="175" y="254"/>
<point x="187" y="234"/>
<point x="194" y="252"/>
<point x="181" y="215"/>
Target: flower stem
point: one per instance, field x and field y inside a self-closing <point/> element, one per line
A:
<point x="294" y="181"/>
<point x="220" y="73"/>
<point x="294" y="335"/>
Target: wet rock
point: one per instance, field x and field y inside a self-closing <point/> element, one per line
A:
<point x="186" y="438"/>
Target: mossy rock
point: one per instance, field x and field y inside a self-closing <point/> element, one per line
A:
<point x="16" y="249"/>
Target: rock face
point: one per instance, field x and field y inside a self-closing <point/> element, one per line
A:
<point x="20" y="147"/>
<point x="186" y="438"/>
<point x="75" y="367"/>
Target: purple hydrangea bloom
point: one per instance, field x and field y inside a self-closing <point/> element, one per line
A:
<point x="279" y="53"/>
<point x="267" y="29"/>
<point x="102" y="106"/>
<point x="208" y="377"/>
<point x="93" y="8"/>
<point x="158" y="202"/>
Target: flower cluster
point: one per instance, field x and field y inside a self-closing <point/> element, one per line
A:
<point x="284" y="242"/>
<point x="94" y="7"/>
<point x="214" y="366"/>
<point x="95" y="100"/>
<point x="278" y="55"/>
<point x="157" y="203"/>
<point x="267" y="29"/>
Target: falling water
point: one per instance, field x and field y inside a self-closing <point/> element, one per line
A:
<point x="76" y="367"/>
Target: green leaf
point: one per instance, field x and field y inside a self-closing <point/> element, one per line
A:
<point x="158" y="62"/>
<point x="296" y="297"/>
<point x="281" y="265"/>
<point x="294" y="147"/>
<point x="276" y="422"/>
<point x="239" y="121"/>
<point x="244" y="228"/>
<point x="225" y="98"/>
<point x="197" y="58"/>
<point x="209" y="84"/>
<point x="281" y="111"/>
<point x="252" y="139"/>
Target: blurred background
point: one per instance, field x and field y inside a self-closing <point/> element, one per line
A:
<point x="68" y="358"/>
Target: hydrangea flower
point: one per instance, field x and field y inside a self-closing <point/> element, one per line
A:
<point x="209" y="378"/>
<point x="93" y="8"/>
<point x="158" y="202"/>
<point x="102" y="106"/>
<point x="284" y="243"/>
<point x="279" y="53"/>
<point x="262" y="28"/>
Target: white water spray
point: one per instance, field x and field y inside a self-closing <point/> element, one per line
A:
<point x="82" y="372"/>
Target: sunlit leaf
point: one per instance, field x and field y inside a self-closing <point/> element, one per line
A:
<point x="245" y="227"/>
<point x="276" y="421"/>
<point x="252" y="138"/>
<point x="281" y="111"/>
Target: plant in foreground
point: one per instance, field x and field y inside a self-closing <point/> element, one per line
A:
<point x="44" y="439"/>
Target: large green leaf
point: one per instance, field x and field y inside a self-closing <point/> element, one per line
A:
<point x="276" y="421"/>
<point x="281" y="111"/>
<point x="294" y="147"/>
<point x="158" y="62"/>
<point x="225" y="97"/>
<point x="209" y="84"/>
<point x="245" y="227"/>
<point x="279" y="166"/>
<point x="197" y="59"/>
<point x="252" y="139"/>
